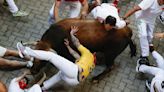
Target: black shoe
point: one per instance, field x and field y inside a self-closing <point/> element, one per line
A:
<point x="141" y="61"/>
<point x="151" y="48"/>
<point x="148" y="85"/>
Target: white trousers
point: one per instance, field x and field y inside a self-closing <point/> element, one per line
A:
<point x="75" y="8"/>
<point x="12" y="6"/>
<point x="154" y="70"/>
<point x="68" y="71"/>
<point x="2" y="51"/>
<point x="158" y="71"/>
<point x="162" y="14"/>
<point x="145" y="35"/>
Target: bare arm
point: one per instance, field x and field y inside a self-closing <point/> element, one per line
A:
<point x="159" y="35"/>
<point x="56" y="10"/>
<point x="22" y="76"/>
<point x="130" y="12"/>
<point x="71" y="51"/>
<point x="84" y="10"/>
<point x="42" y="80"/>
<point x="75" y="41"/>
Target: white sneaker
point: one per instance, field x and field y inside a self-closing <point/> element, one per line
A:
<point x="20" y="13"/>
<point x="21" y="50"/>
<point x="29" y="64"/>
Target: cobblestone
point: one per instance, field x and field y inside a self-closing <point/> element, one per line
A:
<point x="123" y="78"/>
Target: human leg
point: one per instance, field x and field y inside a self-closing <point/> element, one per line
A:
<point x="142" y="27"/>
<point x="7" y="64"/>
<point x="11" y="53"/>
<point x="51" y="19"/>
<point x="149" y="69"/>
<point x="2" y="51"/>
<point x="150" y="30"/>
<point x="52" y="81"/>
<point x="65" y="66"/>
<point x="14" y="9"/>
<point x="12" y="6"/>
<point x="159" y="59"/>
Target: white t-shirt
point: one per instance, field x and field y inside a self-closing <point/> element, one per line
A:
<point x="106" y="9"/>
<point x="35" y="88"/>
<point x="14" y="86"/>
<point x="150" y="10"/>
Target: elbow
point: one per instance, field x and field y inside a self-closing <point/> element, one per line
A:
<point x="136" y="8"/>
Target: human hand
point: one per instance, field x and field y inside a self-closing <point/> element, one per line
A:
<point x="74" y="29"/>
<point x="27" y="72"/>
<point x="66" y="42"/>
<point x="83" y="15"/>
<point x="127" y="22"/>
<point x="159" y="35"/>
<point x="58" y="19"/>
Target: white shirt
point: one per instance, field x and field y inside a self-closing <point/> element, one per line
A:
<point x="35" y="88"/>
<point x="14" y="86"/>
<point x="106" y="9"/>
<point x="150" y="9"/>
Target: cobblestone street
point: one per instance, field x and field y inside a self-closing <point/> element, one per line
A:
<point x="123" y="78"/>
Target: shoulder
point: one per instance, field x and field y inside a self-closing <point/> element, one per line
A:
<point x="145" y="4"/>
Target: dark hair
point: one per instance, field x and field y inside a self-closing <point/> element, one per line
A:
<point x="110" y="20"/>
<point x="27" y="80"/>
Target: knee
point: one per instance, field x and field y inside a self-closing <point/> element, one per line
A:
<point x="142" y="35"/>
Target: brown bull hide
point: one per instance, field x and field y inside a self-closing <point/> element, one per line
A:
<point x="92" y="35"/>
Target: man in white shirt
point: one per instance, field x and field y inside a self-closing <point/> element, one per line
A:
<point x="75" y="6"/>
<point x="157" y="83"/>
<point x="14" y="9"/>
<point x="146" y="12"/>
<point x="20" y="84"/>
<point x="108" y="9"/>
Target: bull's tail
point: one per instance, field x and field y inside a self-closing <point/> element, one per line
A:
<point x="132" y="46"/>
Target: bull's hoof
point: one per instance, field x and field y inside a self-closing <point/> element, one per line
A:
<point x="95" y="80"/>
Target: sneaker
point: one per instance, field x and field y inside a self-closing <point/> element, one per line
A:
<point x="148" y="84"/>
<point x="141" y="61"/>
<point x="29" y="64"/>
<point x="20" y="13"/>
<point x="21" y="50"/>
<point x="161" y="19"/>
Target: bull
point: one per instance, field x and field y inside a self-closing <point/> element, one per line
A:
<point x="92" y="35"/>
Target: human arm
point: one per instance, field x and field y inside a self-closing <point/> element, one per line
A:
<point x="22" y="76"/>
<point x="159" y="35"/>
<point x="40" y="82"/>
<point x="75" y="41"/>
<point x="143" y="5"/>
<point x="56" y="10"/>
<point x="71" y="51"/>
<point x="131" y="11"/>
<point x="85" y="8"/>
